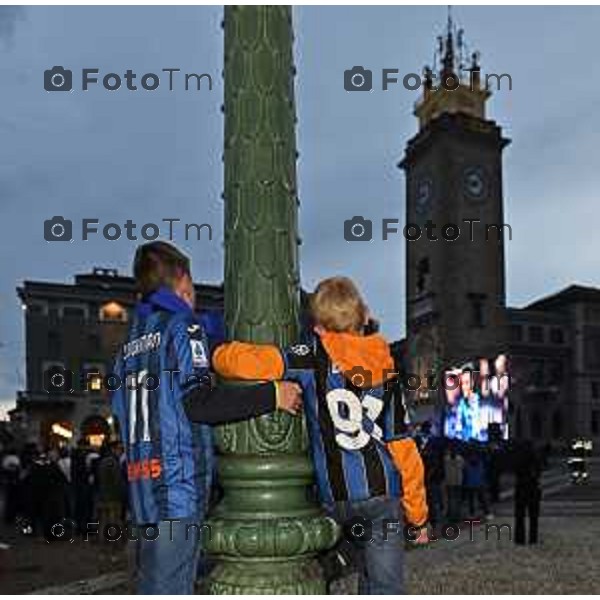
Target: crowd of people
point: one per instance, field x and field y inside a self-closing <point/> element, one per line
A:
<point x="80" y="485"/>
<point x="462" y="480"/>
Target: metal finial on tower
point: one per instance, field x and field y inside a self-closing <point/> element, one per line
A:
<point x="460" y="45"/>
<point x="458" y="70"/>
<point x="448" y="58"/>
<point x="438" y="52"/>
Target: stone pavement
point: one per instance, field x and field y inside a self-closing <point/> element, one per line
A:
<point x="565" y="561"/>
<point x="28" y="564"/>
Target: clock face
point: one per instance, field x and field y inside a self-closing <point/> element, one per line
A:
<point x="424" y="191"/>
<point x="475" y="183"/>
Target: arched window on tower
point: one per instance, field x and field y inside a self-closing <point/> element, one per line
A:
<point x="423" y="276"/>
<point x="477" y="302"/>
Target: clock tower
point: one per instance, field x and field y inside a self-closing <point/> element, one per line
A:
<point x="455" y="279"/>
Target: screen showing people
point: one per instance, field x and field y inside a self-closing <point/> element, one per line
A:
<point x="477" y="396"/>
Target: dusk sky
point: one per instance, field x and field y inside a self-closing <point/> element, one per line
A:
<point x="149" y="155"/>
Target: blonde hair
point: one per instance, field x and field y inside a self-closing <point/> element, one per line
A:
<point x="337" y="305"/>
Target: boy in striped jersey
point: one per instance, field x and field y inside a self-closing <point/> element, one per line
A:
<point x="164" y="407"/>
<point x="364" y="461"/>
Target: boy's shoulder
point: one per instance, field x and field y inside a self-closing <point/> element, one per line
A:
<point x="183" y="323"/>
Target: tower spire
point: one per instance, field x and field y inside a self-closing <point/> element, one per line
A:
<point x="448" y="58"/>
<point x="454" y="84"/>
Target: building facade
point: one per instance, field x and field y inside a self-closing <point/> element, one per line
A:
<point x="555" y="355"/>
<point x="77" y="327"/>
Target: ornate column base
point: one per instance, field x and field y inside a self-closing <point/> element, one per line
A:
<point x="267" y="530"/>
<point x="290" y="577"/>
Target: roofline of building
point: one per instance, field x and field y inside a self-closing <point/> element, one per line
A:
<point x="571" y="293"/>
<point x="96" y="282"/>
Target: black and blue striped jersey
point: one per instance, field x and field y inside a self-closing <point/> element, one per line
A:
<point x="348" y="426"/>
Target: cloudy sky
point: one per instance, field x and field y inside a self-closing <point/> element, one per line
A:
<point x="151" y="155"/>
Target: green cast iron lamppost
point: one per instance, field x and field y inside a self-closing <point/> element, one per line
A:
<point x="267" y="531"/>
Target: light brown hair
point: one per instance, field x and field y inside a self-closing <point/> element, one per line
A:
<point x="337" y="305"/>
<point x="158" y="264"/>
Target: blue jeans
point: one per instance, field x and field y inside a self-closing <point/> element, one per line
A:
<point x="380" y="552"/>
<point x="168" y="564"/>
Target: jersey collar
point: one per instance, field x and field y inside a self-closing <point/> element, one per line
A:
<point x="164" y="299"/>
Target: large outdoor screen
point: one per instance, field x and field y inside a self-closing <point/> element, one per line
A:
<point x="477" y="399"/>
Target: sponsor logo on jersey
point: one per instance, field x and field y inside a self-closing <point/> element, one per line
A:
<point x="199" y="358"/>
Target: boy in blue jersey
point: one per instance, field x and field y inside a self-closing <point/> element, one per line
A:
<point x="164" y="408"/>
<point x="364" y="460"/>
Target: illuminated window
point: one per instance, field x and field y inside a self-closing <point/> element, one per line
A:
<point x="95" y="430"/>
<point x="96" y="440"/>
<point x="113" y="311"/>
<point x="93" y="380"/>
<point x="62" y="430"/>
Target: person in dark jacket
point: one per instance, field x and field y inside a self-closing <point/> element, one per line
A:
<point x="528" y="494"/>
<point x="45" y="488"/>
<point x="82" y="496"/>
<point x="474" y="485"/>
<point x="10" y="468"/>
<point x="109" y="489"/>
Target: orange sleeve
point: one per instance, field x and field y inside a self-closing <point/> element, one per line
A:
<point x="408" y="462"/>
<point x="240" y="360"/>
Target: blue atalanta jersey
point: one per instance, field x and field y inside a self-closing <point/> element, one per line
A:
<point x="169" y="459"/>
<point x="348" y="429"/>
